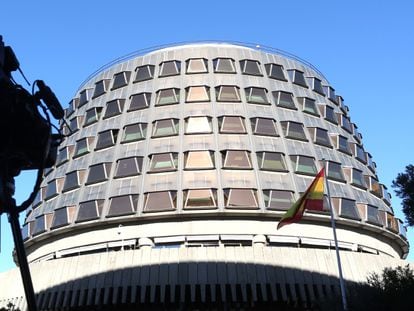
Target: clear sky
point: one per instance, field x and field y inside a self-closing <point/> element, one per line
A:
<point x="364" y="48"/>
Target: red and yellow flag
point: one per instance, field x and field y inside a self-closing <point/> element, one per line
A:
<point x="311" y="199"/>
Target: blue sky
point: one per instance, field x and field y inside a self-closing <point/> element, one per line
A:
<point x="364" y="48"/>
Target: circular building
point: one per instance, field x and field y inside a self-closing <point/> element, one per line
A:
<point x="177" y="166"/>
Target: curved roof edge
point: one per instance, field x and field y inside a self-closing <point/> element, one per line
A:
<point x="254" y="46"/>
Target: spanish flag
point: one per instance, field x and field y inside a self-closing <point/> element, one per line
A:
<point x="311" y="199"/>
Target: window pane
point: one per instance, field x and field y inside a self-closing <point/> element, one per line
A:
<point x="200" y="198"/>
<point x="63" y="155"/>
<point x="343" y="144"/>
<point x="139" y="101"/>
<point x="82" y="147"/>
<point x="123" y="205"/>
<point x="308" y="105"/>
<point x="230" y="125"/>
<point x="90" y="210"/>
<point x="262" y="126"/>
<point x="304" y="165"/>
<point x="106" y="139"/>
<point x="168" y="97"/>
<point x="84" y="97"/>
<point x="145" y="72"/>
<point x="237" y="159"/>
<point x="92" y="115"/>
<point x="199" y="160"/>
<point x="335" y="171"/>
<point x="278" y="199"/>
<point x="100" y="88"/>
<point x="128" y="167"/>
<point x="227" y="94"/>
<point x="99" y="172"/>
<point x="170" y="68"/>
<point x="275" y="71"/>
<point x="330" y="115"/>
<point x="224" y="65"/>
<point x="360" y="153"/>
<point x="346" y="124"/>
<point x="197" y="94"/>
<point x="160" y="201"/>
<point x="71" y="181"/>
<point x="51" y="189"/>
<point x="195" y="125"/>
<point x="163" y="162"/>
<point x="271" y="161"/>
<point x="165" y="128"/>
<point x="121" y="79"/>
<point x="348" y="209"/>
<point x="114" y="108"/>
<point x="240" y="198"/>
<point x="250" y="67"/>
<point x="60" y="217"/>
<point x="197" y="65"/>
<point x="256" y="95"/>
<point x="293" y="130"/>
<point x="373" y="215"/>
<point x="40" y="225"/>
<point x="321" y="137"/>
<point x="317" y="86"/>
<point x="297" y="77"/>
<point x="284" y="99"/>
<point x="358" y="178"/>
<point x="134" y="132"/>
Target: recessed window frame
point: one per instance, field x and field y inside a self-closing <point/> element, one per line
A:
<point x="284" y="100"/>
<point x="67" y="213"/>
<point x="290" y="130"/>
<point x="139" y="101"/>
<point x="198" y="125"/>
<point x="224" y="122"/>
<point x="330" y="93"/>
<point x="144" y="73"/>
<point x="157" y="159"/>
<point x="320" y="136"/>
<point x="195" y="62"/>
<point x="128" y="167"/>
<point x="223" y="89"/>
<point x="228" y="63"/>
<point x="107" y="139"/>
<point x="197" y="94"/>
<point x="345" y="122"/>
<point x="278" y="200"/>
<point x="134" y="132"/>
<point x="127" y="205"/>
<point x="84" y="97"/>
<point x="120" y="79"/>
<point x="168" y="96"/>
<point x="275" y="71"/>
<point x="114" y="108"/>
<point x="256" y="95"/>
<point x="194" y="198"/>
<point x="233" y="195"/>
<point x="328" y="113"/>
<point x="92" y="116"/>
<point x="334" y="171"/>
<point x="341" y="143"/>
<point x="297" y="77"/>
<point x="250" y="67"/>
<point x="266" y="161"/>
<point x="170" y="68"/>
<point x="53" y="188"/>
<point x="258" y="124"/>
<point x="199" y="160"/>
<point x="64" y="154"/>
<point x="101" y="87"/>
<point x="94" y="207"/>
<point x="308" y="106"/>
<point x="316" y="85"/>
<point x="83" y="146"/>
<point x="174" y="127"/>
<point x="300" y="161"/>
<point x="73" y="180"/>
<point x="230" y="160"/>
<point x="355" y="177"/>
<point x="342" y="206"/>
<point x="169" y="198"/>
<point x="98" y="173"/>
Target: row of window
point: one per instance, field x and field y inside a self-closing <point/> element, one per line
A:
<point x="196" y="199"/>
<point x="204" y="160"/>
<point x="226" y="125"/>
<point x="199" y="65"/>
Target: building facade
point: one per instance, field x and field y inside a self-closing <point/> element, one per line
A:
<point x="178" y="164"/>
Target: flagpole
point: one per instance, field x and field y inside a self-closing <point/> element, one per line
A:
<point x="338" y="258"/>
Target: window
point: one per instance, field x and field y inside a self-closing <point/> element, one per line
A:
<point x="73" y="180"/>
<point x="329" y="114"/>
<point x="279" y="200"/>
<point x="168" y="97"/>
<point x="84" y="97"/>
<point x="256" y="95"/>
<point x="39" y="197"/>
<point x="346" y="208"/>
<point x="134" y="132"/>
<point x="271" y="161"/>
<point x="227" y="93"/>
<point x="369" y="213"/>
<point x="121" y="79"/>
<point x="72" y="105"/>
<point x="42" y="223"/>
<point x="53" y="188"/>
<point x="196" y="65"/>
<point x="357" y="135"/>
<point x="320" y="136"/>
<point x="293" y="130"/>
<point x="355" y="177"/>
<point x="358" y="152"/>
<point x="200" y="199"/>
<point x="143" y="73"/>
<point x="240" y="198"/>
<point x="170" y="68"/>
<point x="197" y="94"/>
<point x="64" y="155"/>
<point x="114" y="108"/>
<point x="334" y="171"/>
<point x="74" y="125"/>
<point x="139" y="101"/>
<point x="83" y="146"/>
<point x="303" y="165"/>
<point x="330" y="92"/>
<point x="232" y="125"/>
<point x="98" y="173"/>
<point x="163" y="162"/>
<point x="308" y="105"/>
<point x="224" y="65"/>
<point x="250" y="67"/>
<point x="373" y="185"/>
<point x="167" y="127"/>
<point x="284" y="99"/>
<point x="128" y="167"/>
<point x="341" y="143"/>
<point x="101" y="87"/>
<point x="123" y="205"/>
<point x="345" y="123"/>
<point x="236" y="159"/>
<point x="63" y="216"/>
<point x="92" y="115"/>
<point x="264" y="126"/>
<point x="275" y="71"/>
<point x="392" y="223"/>
<point x="106" y="139"/>
<point x="316" y="85"/>
<point x="90" y="210"/>
<point x="161" y="201"/>
<point x="297" y="77"/>
<point x="371" y="164"/>
<point x="198" y="125"/>
<point x="199" y="160"/>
